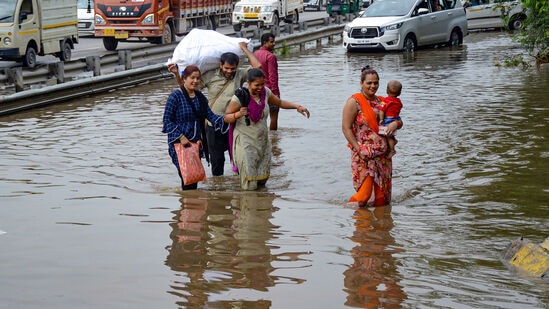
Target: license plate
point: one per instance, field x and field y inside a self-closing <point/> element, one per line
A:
<point x="250" y="15"/>
<point x="121" y="35"/>
<point x="108" y="32"/>
<point x="364" y="41"/>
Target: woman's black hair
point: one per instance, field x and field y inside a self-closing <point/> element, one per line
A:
<point x="190" y="70"/>
<point x="254" y="74"/>
<point x="366" y="70"/>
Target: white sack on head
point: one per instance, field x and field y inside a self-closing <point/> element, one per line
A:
<point x="203" y="48"/>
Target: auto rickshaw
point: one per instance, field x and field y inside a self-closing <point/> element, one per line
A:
<point x="342" y="7"/>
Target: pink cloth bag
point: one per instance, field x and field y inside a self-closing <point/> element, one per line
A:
<point x="190" y="165"/>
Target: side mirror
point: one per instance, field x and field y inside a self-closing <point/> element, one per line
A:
<point x="422" y="11"/>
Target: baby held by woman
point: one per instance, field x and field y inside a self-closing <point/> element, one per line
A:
<point x="390" y="111"/>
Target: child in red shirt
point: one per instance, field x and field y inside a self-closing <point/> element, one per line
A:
<point x="390" y="111"/>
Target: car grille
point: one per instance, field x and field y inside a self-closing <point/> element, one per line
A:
<point x="364" y="33"/>
<point x="252" y="9"/>
<point x="85" y="25"/>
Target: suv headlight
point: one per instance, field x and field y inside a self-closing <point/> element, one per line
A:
<point x="347" y="28"/>
<point x="237" y="9"/>
<point x="268" y="9"/>
<point x="7" y="41"/>
<point x="391" y="27"/>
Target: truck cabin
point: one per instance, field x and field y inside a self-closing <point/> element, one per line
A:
<point x="25" y="10"/>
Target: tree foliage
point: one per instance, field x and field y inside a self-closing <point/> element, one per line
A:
<point x="534" y="36"/>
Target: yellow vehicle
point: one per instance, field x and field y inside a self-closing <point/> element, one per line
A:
<point x="37" y="27"/>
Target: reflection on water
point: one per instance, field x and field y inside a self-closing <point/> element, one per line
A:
<point x="221" y="242"/>
<point x="372" y="281"/>
<point x="86" y="185"/>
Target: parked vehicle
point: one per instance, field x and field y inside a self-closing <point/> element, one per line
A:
<point x="265" y="13"/>
<point x="488" y="14"/>
<point x="158" y="21"/>
<point x="85" y="17"/>
<point x="342" y="7"/>
<point x="37" y="27"/>
<point x="312" y="5"/>
<point x="406" y="25"/>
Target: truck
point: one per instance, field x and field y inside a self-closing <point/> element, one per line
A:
<point x="37" y="27"/>
<point x="265" y="13"/>
<point x="157" y="21"/>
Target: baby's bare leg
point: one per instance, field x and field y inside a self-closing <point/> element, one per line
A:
<point x="391" y="142"/>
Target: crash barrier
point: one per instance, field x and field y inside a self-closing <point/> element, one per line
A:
<point x="128" y="67"/>
<point x="70" y="90"/>
<point x="528" y="257"/>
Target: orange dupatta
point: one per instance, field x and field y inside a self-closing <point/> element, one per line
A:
<point x="367" y="111"/>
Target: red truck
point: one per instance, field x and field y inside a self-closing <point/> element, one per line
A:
<point x="158" y="21"/>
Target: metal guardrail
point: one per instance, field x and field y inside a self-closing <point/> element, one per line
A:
<point x="62" y="92"/>
<point x="132" y="67"/>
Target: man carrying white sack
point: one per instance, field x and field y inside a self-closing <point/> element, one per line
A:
<point x="221" y="84"/>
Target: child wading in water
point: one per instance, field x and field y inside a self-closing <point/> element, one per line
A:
<point x="390" y="111"/>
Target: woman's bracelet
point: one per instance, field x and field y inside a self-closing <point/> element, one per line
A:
<point x="298" y="107"/>
<point x="234" y="115"/>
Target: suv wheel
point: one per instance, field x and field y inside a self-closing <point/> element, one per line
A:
<point x="410" y="43"/>
<point x="516" y="23"/>
<point x="455" y="38"/>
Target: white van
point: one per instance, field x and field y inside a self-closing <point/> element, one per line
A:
<point x="37" y="27"/>
<point x="482" y="14"/>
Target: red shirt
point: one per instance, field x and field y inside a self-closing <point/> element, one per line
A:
<point x="391" y="106"/>
<point x="269" y="66"/>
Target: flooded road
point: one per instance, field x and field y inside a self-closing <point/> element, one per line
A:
<point x="92" y="215"/>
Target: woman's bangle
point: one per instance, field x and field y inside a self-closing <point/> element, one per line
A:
<point x="298" y="107"/>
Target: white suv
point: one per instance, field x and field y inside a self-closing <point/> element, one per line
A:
<point x="406" y="25"/>
<point x="85" y="17"/>
<point x="487" y="14"/>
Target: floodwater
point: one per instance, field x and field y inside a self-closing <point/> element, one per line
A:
<point x="91" y="214"/>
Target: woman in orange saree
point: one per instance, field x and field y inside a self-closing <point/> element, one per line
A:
<point x="371" y="167"/>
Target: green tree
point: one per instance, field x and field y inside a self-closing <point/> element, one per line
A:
<point x="534" y="35"/>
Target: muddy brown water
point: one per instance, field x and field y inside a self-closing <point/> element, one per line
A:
<point x="91" y="214"/>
